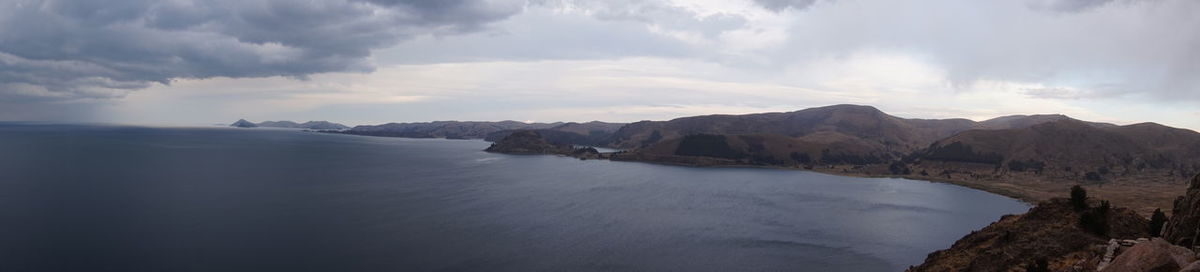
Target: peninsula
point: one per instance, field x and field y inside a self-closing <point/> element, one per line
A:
<point x="1030" y="157"/>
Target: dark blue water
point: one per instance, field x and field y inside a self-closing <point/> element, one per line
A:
<point x="96" y="198"/>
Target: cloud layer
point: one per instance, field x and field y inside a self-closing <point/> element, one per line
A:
<point x="94" y="49"/>
<point x="342" y="57"/>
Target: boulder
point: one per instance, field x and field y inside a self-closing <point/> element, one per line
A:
<point x="1194" y="267"/>
<point x="1155" y="255"/>
<point x="1185" y="217"/>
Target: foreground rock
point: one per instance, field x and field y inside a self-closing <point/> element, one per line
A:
<point x="1155" y="255"/>
<point x="1050" y="232"/>
<point x="1185" y="217"/>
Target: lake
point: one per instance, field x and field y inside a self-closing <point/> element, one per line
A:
<point x="119" y="198"/>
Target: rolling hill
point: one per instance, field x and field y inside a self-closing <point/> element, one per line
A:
<point x="1074" y="148"/>
<point x="836" y="123"/>
<point x="594" y="133"/>
<point x="444" y="129"/>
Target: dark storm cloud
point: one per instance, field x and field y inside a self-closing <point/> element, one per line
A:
<point x="72" y="48"/>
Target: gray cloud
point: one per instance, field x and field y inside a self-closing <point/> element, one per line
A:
<point x="1136" y="49"/>
<point x="1068" y="5"/>
<point x="780" y="5"/>
<point x="79" y="48"/>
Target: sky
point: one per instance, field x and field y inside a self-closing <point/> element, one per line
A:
<point x="201" y="62"/>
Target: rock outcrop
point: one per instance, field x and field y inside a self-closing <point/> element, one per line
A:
<point x="1193" y="267"/>
<point x="1154" y="255"/>
<point x="1185" y="217"/>
<point x="1051" y="231"/>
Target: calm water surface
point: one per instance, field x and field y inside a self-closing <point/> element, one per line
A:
<point x="105" y="198"/>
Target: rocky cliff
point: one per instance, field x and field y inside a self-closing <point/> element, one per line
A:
<point x="1185" y="217"/>
<point x="1050" y="233"/>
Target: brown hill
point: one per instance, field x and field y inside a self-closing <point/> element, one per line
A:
<point x="1024" y="121"/>
<point x="759" y="149"/>
<point x="593" y="133"/>
<point x="892" y="134"/>
<point x="1074" y="149"/>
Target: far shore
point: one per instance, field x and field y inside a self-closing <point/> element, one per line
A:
<point x="1135" y="192"/>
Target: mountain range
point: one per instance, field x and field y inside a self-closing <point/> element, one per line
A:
<point x="318" y="125"/>
<point x="1032" y="157"/>
<point x="1051" y="144"/>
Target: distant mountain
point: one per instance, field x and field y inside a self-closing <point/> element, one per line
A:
<point x="1075" y="148"/>
<point x="855" y="135"/>
<point x="444" y="129"/>
<point x="321" y="125"/>
<point x="1024" y="121"/>
<point x="860" y="127"/>
<point x="242" y="123"/>
<point x="279" y="124"/>
<point x="310" y="125"/>
<point x="593" y="133"/>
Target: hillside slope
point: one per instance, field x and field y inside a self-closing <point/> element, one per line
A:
<point x="593" y="133"/>
<point x="1073" y="149"/>
<point x="894" y="135"/>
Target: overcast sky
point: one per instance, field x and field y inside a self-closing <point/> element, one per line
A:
<point x="199" y="62"/>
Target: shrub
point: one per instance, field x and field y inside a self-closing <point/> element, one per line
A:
<point x="1017" y="166"/>
<point x="1078" y="198"/>
<point x="654" y="138"/>
<point x="1039" y="265"/>
<point x="829" y="157"/>
<point x="898" y="168"/>
<point x="707" y="145"/>
<point x="1096" y="219"/>
<point x="957" y="151"/>
<point x="1157" y="220"/>
<point x="801" y="158"/>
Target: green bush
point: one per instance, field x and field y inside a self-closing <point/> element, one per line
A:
<point x="1156" y="223"/>
<point x="1039" y="265"/>
<point x="1078" y="198"/>
<point x="1096" y="219"/>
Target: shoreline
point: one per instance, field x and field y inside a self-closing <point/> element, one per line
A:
<point x="1143" y="193"/>
<point x="1133" y="192"/>
<point x="1023" y="198"/>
